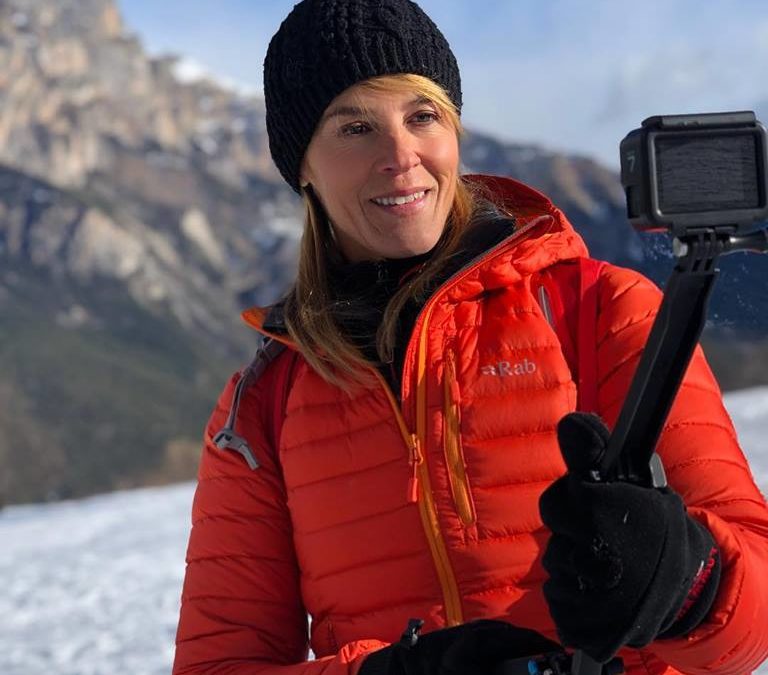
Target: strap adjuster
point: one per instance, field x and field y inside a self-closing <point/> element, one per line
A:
<point x="227" y="439"/>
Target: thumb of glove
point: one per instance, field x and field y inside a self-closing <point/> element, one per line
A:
<point x="583" y="439"/>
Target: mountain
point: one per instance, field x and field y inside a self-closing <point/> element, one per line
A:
<point x="139" y="213"/>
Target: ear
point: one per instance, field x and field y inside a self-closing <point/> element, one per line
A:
<point x="305" y="175"/>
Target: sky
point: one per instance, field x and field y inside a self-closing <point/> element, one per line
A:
<point x="564" y="74"/>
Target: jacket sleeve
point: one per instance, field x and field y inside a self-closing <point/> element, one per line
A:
<point x="241" y="606"/>
<point x="706" y="466"/>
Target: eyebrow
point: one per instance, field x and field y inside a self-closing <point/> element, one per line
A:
<point x="342" y="111"/>
<point x="354" y="111"/>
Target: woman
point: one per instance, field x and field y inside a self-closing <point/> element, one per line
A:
<point x="410" y="460"/>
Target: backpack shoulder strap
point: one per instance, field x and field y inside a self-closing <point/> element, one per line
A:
<point x="568" y="295"/>
<point x="269" y="352"/>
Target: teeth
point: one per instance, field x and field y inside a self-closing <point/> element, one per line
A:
<point x="399" y="201"/>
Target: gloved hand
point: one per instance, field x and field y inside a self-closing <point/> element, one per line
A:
<point x="470" y="649"/>
<point x="626" y="564"/>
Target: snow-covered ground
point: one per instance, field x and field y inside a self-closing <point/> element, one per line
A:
<point x="92" y="587"/>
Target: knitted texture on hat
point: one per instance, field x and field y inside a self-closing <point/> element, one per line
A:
<point x="325" y="46"/>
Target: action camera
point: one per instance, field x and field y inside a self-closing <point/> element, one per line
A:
<point x="683" y="172"/>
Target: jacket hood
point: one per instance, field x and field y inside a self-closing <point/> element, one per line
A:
<point x="551" y="237"/>
<point x="543" y="237"/>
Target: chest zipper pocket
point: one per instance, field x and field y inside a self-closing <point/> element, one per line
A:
<point x="454" y="454"/>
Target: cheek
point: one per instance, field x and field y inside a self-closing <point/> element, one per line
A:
<point x="444" y="158"/>
<point x="340" y="200"/>
<point x="337" y="178"/>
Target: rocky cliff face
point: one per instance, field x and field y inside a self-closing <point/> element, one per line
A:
<point x="175" y="194"/>
<point x="76" y="84"/>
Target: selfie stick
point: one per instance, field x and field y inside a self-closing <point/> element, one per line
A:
<point x="663" y="195"/>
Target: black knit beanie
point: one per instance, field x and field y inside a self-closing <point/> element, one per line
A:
<point x="325" y="46"/>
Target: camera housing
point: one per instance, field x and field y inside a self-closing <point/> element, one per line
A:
<point x="684" y="172"/>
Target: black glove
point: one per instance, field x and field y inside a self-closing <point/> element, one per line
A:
<point x="470" y="649"/>
<point x="626" y="564"/>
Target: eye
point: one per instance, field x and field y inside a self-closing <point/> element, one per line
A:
<point x="354" y="129"/>
<point x="424" y="117"/>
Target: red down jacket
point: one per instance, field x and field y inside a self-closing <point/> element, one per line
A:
<point x="368" y="512"/>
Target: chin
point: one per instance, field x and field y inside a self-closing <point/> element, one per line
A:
<point x="408" y="251"/>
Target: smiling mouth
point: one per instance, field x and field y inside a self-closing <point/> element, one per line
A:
<point x="400" y="201"/>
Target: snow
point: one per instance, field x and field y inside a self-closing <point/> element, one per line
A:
<point x="189" y="71"/>
<point x="749" y="412"/>
<point x="92" y="587"/>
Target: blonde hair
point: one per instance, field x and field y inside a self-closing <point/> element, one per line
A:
<point x="308" y="318"/>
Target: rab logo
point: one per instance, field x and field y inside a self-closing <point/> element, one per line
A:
<point x="507" y="369"/>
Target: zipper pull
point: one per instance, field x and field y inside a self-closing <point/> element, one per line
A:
<point x="451" y="382"/>
<point x="411" y="635"/>
<point x="413" y="483"/>
<point x="455" y="392"/>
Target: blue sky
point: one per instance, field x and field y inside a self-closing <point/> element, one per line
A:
<point x="566" y="74"/>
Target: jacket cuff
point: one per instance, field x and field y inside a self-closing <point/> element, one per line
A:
<point x="700" y="598"/>
<point x="732" y="639"/>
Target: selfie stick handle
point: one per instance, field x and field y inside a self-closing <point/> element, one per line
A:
<point x="583" y="664"/>
<point x="558" y="663"/>
<point x="673" y="338"/>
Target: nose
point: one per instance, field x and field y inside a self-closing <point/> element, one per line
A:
<point x="399" y="152"/>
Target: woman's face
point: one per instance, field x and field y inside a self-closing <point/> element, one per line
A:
<point x="385" y="167"/>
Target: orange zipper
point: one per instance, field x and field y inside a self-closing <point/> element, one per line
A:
<point x="454" y="614"/>
<point x="454" y="455"/>
<point x="420" y="491"/>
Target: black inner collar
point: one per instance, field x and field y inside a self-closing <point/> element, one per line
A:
<point x="362" y="290"/>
